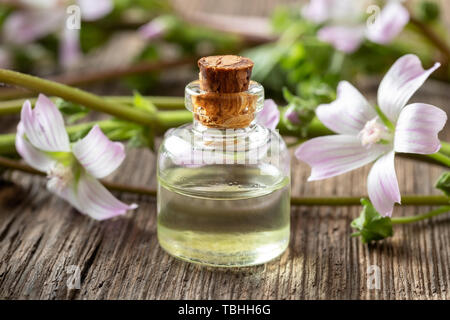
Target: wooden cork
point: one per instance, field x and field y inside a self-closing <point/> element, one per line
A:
<point x="226" y="104"/>
<point x="225" y="74"/>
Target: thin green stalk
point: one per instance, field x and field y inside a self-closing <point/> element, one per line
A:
<point x="79" y="96"/>
<point x="410" y="219"/>
<point x="415" y="200"/>
<point x="445" y="148"/>
<point x="170" y="119"/>
<point x="158" y="121"/>
<point x="300" y="201"/>
<point x="163" y="103"/>
<point x="440" y="157"/>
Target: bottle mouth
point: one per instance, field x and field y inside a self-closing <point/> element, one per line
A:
<point x="224" y="110"/>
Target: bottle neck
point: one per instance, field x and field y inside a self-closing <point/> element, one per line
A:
<point x="200" y="128"/>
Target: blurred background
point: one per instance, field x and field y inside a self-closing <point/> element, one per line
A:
<point x="117" y="46"/>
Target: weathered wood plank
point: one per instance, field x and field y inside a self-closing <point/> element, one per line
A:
<point x="41" y="237"/>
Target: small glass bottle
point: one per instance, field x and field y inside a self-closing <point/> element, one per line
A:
<point x="223" y="181"/>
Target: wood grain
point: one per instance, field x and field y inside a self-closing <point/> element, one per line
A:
<point x="41" y="237"/>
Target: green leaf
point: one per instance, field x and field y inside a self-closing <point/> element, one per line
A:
<point x="144" y="104"/>
<point x="73" y="111"/>
<point x="443" y="183"/>
<point x="371" y="225"/>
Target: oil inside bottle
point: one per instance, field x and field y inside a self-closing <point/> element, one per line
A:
<point x="224" y="215"/>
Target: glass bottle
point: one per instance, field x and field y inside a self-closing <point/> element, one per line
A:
<point x="223" y="182"/>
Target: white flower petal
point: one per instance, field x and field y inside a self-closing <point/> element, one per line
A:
<point x="390" y="22"/>
<point x="382" y="185"/>
<point x="93" y="10"/>
<point x="417" y="129"/>
<point x="401" y="81"/>
<point x="97" y="154"/>
<point x="32" y="156"/>
<point x="97" y="202"/>
<point x="330" y="156"/>
<point x="349" y="113"/>
<point x="44" y="125"/>
<point x="269" y="116"/>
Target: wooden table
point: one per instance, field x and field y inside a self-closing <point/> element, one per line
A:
<point x="44" y="243"/>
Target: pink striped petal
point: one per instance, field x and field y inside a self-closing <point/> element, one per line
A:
<point x="22" y="27"/>
<point x="401" y="81"/>
<point x="94" y="10"/>
<point x="389" y="23"/>
<point x="417" y="129"/>
<point x="44" y="125"/>
<point x="269" y="116"/>
<point x="382" y="185"/>
<point x="97" y="202"/>
<point x="330" y="156"/>
<point x="97" y="154"/>
<point x="32" y="156"/>
<point x="348" y="113"/>
<point x="344" y="38"/>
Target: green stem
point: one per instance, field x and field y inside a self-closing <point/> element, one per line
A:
<point x="300" y="201"/>
<point x="440" y="157"/>
<point x="414" y="200"/>
<point x="159" y="121"/>
<point x="445" y="148"/>
<point x="410" y="219"/>
<point x="79" y="96"/>
<point x="169" y="119"/>
<point x="164" y="103"/>
<point x="91" y="77"/>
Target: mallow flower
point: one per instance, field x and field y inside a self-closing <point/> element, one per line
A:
<point x="39" y="18"/>
<point x="269" y="116"/>
<point x="343" y="25"/>
<point x="366" y="134"/>
<point x="72" y="168"/>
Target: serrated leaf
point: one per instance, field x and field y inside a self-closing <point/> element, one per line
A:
<point x="371" y="225"/>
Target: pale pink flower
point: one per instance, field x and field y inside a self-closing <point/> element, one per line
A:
<point x="363" y="137"/>
<point x="269" y="116"/>
<point x="344" y="27"/>
<point x="40" y="18"/>
<point x="72" y="169"/>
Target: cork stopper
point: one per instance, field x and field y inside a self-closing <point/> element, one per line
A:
<point x="226" y="103"/>
<point x="225" y="74"/>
